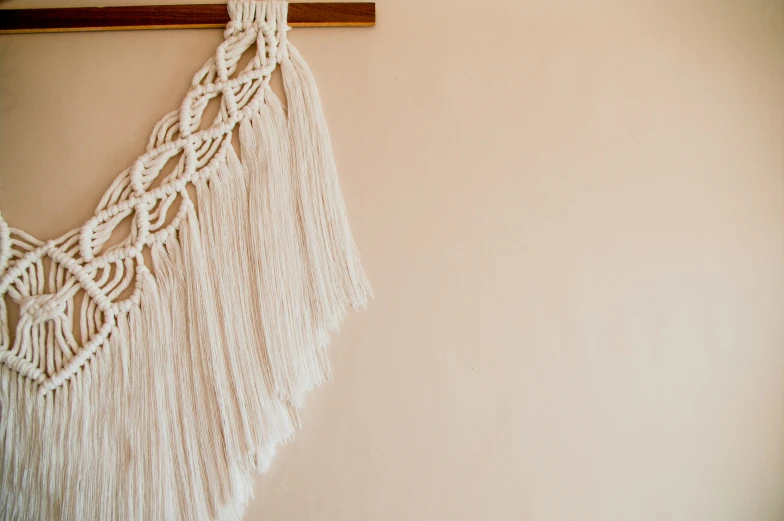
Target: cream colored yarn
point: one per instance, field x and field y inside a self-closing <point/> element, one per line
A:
<point x="148" y="378"/>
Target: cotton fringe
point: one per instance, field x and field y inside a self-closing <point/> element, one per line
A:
<point x="197" y="386"/>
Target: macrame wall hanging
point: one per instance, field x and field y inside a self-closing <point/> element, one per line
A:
<point x="148" y="379"/>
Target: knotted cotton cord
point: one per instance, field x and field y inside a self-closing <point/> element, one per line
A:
<point x="149" y="377"/>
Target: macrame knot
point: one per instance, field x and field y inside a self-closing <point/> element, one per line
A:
<point x="236" y="26"/>
<point x="40" y="308"/>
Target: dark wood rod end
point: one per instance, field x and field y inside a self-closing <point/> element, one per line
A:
<point x="188" y="16"/>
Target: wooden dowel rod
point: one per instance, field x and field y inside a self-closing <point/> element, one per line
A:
<point x="190" y="16"/>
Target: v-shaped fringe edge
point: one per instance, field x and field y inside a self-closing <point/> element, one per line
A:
<point x="195" y="389"/>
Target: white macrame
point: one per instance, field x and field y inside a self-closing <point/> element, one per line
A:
<point x="149" y="378"/>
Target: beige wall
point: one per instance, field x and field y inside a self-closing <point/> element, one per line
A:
<point x="572" y="214"/>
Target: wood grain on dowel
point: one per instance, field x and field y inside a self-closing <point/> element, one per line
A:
<point x="189" y="16"/>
